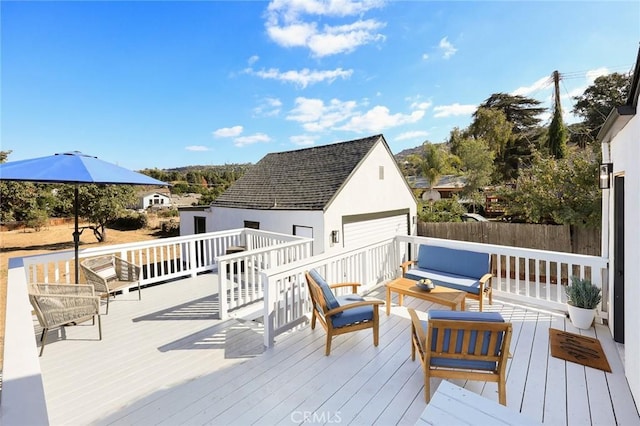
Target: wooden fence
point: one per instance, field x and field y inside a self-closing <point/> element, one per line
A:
<point x="563" y="238"/>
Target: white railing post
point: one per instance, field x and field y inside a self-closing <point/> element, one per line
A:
<point x="267" y="312"/>
<point x="223" y="265"/>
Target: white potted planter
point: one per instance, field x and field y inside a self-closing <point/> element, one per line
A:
<point x="582" y="300"/>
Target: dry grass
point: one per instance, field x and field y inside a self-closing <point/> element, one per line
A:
<point x="28" y="242"/>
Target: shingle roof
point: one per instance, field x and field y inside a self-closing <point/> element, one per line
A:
<point x="304" y="179"/>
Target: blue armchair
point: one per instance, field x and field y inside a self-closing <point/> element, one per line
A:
<point x="462" y="345"/>
<point x="340" y="314"/>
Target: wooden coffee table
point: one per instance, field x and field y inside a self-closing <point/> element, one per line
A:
<point x="440" y="295"/>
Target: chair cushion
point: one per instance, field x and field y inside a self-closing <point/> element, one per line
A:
<point x="329" y="297"/>
<point x="454" y="261"/>
<point x="456" y="282"/>
<point x="106" y="271"/>
<point x="473" y="338"/>
<point x="351" y="316"/>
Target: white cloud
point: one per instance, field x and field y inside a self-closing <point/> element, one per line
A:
<point x="228" y="132"/>
<point x="269" y="107"/>
<point x="425" y="56"/>
<point x="453" y="110"/>
<point x="250" y="140"/>
<point x="196" y="148"/>
<point x="542" y="83"/>
<point x="303" y="140"/>
<point x="593" y="74"/>
<point x="447" y="48"/>
<point x="304" y="77"/>
<point x="253" y="59"/>
<point x="287" y="24"/>
<point x="421" y="105"/>
<point x="379" y="118"/>
<point x="421" y="134"/>
<point x="315" y="116"/>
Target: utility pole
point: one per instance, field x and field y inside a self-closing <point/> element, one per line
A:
<point x="556" y="86"/>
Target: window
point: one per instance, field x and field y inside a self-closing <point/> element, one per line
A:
<point x="251" y="224"/>
<point x="381" y="172"/>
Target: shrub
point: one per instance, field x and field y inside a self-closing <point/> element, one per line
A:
<point x="168" y="213"/>
<point x="170" y="228"/>
<point x="37" y="219"/>
<point x="130" y="222"/>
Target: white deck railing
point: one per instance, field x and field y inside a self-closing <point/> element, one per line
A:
<point x="274" y="268"/>
<point x="286" y="300"/>
<point x="534" y="277"/>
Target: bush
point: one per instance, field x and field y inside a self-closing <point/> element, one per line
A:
<point x="168" y="213"/>
<point x="130" y="222"/>
<point x="445" y="210"/>
<point x="37" y="219"/>
<point x="170" y="228"/>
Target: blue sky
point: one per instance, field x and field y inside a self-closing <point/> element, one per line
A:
<point x="170" y="84"/>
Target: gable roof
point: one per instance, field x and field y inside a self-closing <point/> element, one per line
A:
<point x="304" y="179"/>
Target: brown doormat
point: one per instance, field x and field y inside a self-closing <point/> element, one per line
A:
<point x="576" y="348"/>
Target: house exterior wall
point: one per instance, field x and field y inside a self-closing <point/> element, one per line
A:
<point x="148" y="201"/>
<point x="187" y="222"/>
<point x="625" y="151"/>
<point x="281" y="221"/>
<point x="365" y="193"/>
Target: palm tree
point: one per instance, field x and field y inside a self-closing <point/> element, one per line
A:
<point x="430" y="163"/>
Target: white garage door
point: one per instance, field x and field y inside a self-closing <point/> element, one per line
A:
<point x="365" y="232"/>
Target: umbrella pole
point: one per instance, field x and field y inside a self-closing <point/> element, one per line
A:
<point x="76" y="233"/>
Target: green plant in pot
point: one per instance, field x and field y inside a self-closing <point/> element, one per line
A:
<point x="582" y="300"/>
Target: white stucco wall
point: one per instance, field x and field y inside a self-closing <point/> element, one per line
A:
<point x="281" y="221"/>
<point x="187" y="220"/>
<point x="366" y="193"/>
<point x="625" y="154"/>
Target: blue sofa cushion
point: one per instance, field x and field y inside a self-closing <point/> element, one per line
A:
<point x="457" y="282"/>
<point x="473" y="339"/>
<point x="350" y="316"/>
<point x="454" y="261"/>
<point x="329" y="297"/>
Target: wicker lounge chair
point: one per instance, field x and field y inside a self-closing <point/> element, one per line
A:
<point x="59" y="305"/>
<point x="109" y="274"/>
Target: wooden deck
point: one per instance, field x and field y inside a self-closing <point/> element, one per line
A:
<point x="169" y="360"/>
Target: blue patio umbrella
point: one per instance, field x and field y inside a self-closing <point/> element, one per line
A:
<point x="73" y="168"/>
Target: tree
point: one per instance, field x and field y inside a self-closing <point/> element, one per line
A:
<point x="100" y="204"/>
<point x="559" y="191"/>
<point x="597" y="101"/>
<point x="492" y="126"/>
<point x="430" y="163"/>
<point x="527" y="135"/>
<point x="558" y="135"/>
<point x="520" y="111"/>
<point x="477" y="167"/>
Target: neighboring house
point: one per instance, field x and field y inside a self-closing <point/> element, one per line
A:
<point x="620" y="139"/>
<point x="344" y="195"/>
<point x="153" y="199"/>
<point x="446" y="187"/>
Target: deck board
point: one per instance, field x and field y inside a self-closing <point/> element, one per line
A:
<point x="169" y="360"/>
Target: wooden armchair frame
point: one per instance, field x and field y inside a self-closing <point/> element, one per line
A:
<point x="321" y="313"/>
<point x="60" y="305"/>
<point x="109" y="274"/>
<point x="469" y="363"/>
